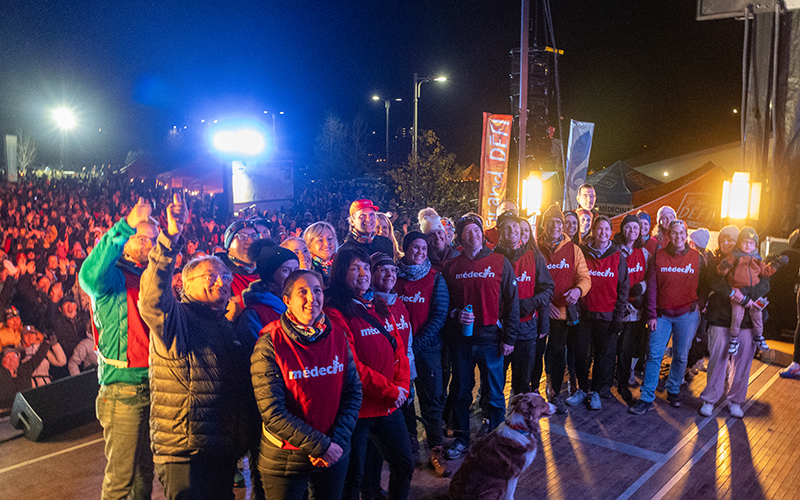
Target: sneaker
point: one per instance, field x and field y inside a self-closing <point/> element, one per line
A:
<point x="439" y="463"/>
<point x="641" y="407"/>
<point x="706" y="409"/>
<point x="675" y="400"/>
<point x="632" y="382"/>
<point x="791" y="371"/>
<point x="577" y="398"/>
<point x="736" y="410"/>
<point x="662" y="384"/>
<point x="594" y="401"/>
<point x="733" y="347"/>
<point x="455" y="451"/>
<point x="625" y="394"/>
<point x="761" y="343"/>
<point x="561" y="407"/>
<point x="605" y="392"/>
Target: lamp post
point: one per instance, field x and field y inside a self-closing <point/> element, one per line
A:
<point x="274" y="116"/>
<point x="418" y="81"/>
<point x="65" y="121"/>
<point x="387" y="103"/>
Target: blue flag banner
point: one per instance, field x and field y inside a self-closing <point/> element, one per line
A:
<point x="580" y="145"/>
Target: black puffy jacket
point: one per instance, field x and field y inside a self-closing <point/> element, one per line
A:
<point x="270" y="391"/>
<point x="202" y="401"/>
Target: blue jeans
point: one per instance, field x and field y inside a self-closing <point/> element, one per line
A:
<point x="490" y="364"/>
<point x="124" y="412"/>
<point x="682" y="329"/>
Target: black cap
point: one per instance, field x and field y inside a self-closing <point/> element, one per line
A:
<point x="410" y="237"/>
<point x="506" y="216"/>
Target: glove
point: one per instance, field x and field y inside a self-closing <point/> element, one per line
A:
<point x="615" y="327"/>
<point x="636" y="290"/>
<point x="724" y="266"/>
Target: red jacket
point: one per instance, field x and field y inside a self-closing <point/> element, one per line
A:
<point x="381" y="370"/>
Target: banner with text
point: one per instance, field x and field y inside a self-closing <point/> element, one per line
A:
<point x="494" y="165"/>
<point x="579" y="147"/>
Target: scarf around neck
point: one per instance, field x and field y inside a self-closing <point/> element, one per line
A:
<point x="413" y="272"/>
<point x="310" y="333"/>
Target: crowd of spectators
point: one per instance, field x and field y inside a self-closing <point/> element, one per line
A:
<point x="408" y="309"/>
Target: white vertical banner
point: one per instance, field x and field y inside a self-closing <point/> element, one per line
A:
<point x="11" y="158"/>
<point x="579" y="147"/>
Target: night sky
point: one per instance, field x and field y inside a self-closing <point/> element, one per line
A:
<point x="646" y="73"/>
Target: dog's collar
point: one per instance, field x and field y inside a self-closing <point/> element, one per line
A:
<point x="521" y="431"/>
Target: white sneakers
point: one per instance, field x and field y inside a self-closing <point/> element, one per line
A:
<point x="736" y="410"/>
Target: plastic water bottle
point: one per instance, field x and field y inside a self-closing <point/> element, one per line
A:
<point x="466" y="330"/>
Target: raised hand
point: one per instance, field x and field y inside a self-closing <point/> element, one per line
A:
<point x="177" y="214"/>
<point x="139" y="213"/>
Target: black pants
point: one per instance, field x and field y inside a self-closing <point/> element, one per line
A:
<point x="449" y="399"/>
<point x="324" y="483"/>
<point x="521" y="361"/>
<point x="390" y="436"/>
<point x="431" y="394"/>
<point x="796" y="355"/>
<point x="373" y="463"/>
<point x="632" y="343"/>
<point x="538" y="363"/>
<point x="556" y="353"/>
<point x="595" y="333"/>
<point x="200" y="478"/>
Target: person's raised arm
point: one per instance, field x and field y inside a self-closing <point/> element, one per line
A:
<point x="158" y="306"/>
<point x="93" y="276"/>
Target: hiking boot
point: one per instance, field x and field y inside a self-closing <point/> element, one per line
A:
<point x="594" y="402"/>
<point x="561" y="407"/>
<point x="439" y="463"/>
<point x="707" y="409"/>
<point x="455" y="451"/>
<point x="761" y="343"/>
<point x="791" y="371"/>
<point x="736" y="410"/>
<point x="675" y="400"/>
<point x="577" y="398"/>
<point x="641" y="407"/>
<point x="733" y="347"/>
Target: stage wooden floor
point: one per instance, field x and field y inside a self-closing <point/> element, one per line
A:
<point x="668" y="453"/>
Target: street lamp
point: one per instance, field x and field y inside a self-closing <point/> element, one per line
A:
<point x="387" y="103"/>
<point x="274" y="115"/>
<point x="418" y="81"/>
<point x="415" y="137"/>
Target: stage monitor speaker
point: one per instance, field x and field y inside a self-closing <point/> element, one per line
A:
<point x="42" y="412"/>
<point x="723" y="9"/>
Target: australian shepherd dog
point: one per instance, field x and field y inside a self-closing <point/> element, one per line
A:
<point x="493" y="466"/>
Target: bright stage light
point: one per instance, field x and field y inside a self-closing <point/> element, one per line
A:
<point x="64" y="118"/>
<point x="245" y="141"/>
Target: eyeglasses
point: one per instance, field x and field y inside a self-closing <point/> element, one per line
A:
<point x="249" y="236"/>
<point x="144" y="239"/>
<point x="213" y="277"/>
